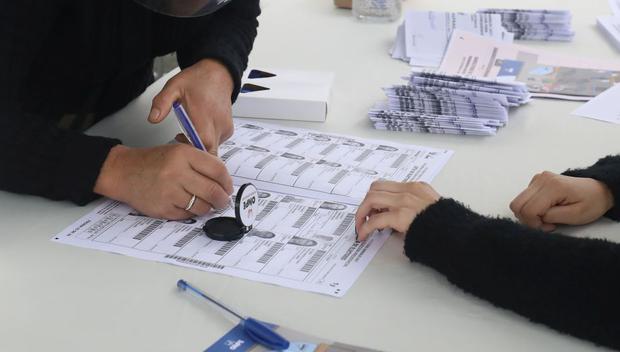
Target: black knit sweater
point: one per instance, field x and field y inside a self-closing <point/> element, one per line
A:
<point x="65" y="64"/>
<point x="570" y="284"/>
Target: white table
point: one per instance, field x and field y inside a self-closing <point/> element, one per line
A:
<point x="62" y="298"/>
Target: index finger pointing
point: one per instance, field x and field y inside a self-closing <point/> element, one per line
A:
<point x="388" y="186"/>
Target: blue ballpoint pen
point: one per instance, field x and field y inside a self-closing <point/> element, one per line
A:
<point x="187" y="126"/>
<point x="188" y="129"/>
<point x="258" y="331"/>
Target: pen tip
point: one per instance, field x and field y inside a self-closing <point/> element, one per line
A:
<point x="182" y="284"/>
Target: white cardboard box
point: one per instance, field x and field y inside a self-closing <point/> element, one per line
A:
<point x="282" y="94"/>
<point x="610" y="26"/>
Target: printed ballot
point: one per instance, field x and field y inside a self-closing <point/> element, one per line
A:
<point x="604" y="107"/>
<point x="610" y="25"/>
<point x="451" y="104"/>
<point x="548" y="25"/>
<point x="424" y="35"/>
<point x="546" y="75"/>
<point x="309" y="185"/>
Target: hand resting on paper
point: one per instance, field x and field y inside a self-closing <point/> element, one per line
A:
<point x="160" y="181"/>
<point x="393" y="205"/>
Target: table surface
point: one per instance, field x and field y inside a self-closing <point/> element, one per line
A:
<point x="61" y="298"/>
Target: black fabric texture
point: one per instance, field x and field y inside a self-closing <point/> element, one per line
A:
<point x="606" y="170"/>
<point x="567" y="283"/>
<point x="87" y="59"/>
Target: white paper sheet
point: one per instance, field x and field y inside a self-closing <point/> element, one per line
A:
<point x="615" y="7"/>
<point x="427" y="33"/>
<point x="297" y="241"/>
<point x="610" y="26"/>
<point x="604" y="107"/>
<point x="322" y="165"/>
<point x="398" y="50"/>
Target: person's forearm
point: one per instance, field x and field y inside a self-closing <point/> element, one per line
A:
<point x="606" y="170"/>
<point x="40" y="159"/>
<point x="570" y="284"/>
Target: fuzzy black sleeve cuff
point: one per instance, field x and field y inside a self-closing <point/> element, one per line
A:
<point x="606" y="170"/>
<point x="570" y="284"/>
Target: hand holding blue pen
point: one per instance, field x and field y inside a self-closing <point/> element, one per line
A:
<point x="187" y="126"/>
<point x="177" y="181"/>
<point x="258" y="331"/>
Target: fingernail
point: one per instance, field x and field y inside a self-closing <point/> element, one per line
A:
<point x="154" y="115"/>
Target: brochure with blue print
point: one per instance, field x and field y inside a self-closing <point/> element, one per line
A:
<point x="236" y="340"/>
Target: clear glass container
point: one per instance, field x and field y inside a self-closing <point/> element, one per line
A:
<point x="377" y="10"/>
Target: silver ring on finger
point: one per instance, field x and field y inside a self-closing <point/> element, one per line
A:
<point x="191" y="203"/>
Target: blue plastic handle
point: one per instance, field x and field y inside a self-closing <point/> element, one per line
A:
<point x="263" y="334"/>
<point x="258" y="331"/>
<point x="187" y="127"/>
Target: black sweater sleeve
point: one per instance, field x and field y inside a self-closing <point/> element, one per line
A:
<point x="37" y="157"/>
<point x="570" y="284"/>
<point x="606" y="170"/>
<point x="228" y="37"/>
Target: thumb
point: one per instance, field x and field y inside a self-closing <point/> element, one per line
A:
<point x="562" y="214"/>
<point x="162" y="103"/>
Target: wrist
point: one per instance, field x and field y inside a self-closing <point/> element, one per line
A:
<point x="608" y="197"/>
<point x="217" y="71"/>
<point x="108" y="181"/>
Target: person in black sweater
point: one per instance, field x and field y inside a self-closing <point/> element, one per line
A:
<point x="66" y="64"/>
<point x="570" y="284"/>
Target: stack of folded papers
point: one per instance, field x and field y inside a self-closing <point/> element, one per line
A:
<point x="553" y="25"/>
<point x="438" y="103"/>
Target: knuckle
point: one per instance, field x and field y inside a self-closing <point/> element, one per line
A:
<point x="156" y="101"/>
<point x="214" y="195"/>
<point x="219" y="169"/>
<point x="416" y="185"/>
<point x="424" y="185"/>
<point x="374" y="197"/>
<point x="548" y="176"/>
<point x="371" y="199"/>
<point x="528" y="213"/>
<point x="411" y="186"/>
<point x="210" y="190"/>
<point x="513" y="206"/>
<point x="170" y="84"/>
<point x="408" y="199"/>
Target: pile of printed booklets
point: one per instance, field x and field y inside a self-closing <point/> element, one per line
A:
<point x="536" y="24"/>
<point x="436" y="103"/>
